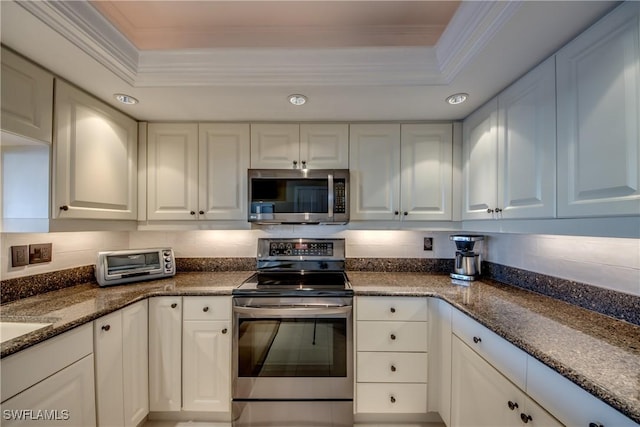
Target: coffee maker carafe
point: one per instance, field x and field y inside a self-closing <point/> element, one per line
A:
<point x="467" y="262"/>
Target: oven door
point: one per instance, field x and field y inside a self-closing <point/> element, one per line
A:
<point x="284" y="350"/>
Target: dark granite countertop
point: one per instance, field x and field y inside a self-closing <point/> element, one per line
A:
<point x="599" y="353"/>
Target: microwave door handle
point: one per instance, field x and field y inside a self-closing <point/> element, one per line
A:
<point x="306" y="311"/>
<point x="330" y="194"/>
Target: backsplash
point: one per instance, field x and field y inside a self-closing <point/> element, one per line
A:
<point x="611" y="263"/>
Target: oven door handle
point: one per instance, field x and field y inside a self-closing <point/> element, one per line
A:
<point x="271" y="311"/>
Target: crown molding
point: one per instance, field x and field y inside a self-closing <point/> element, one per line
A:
<point x="469" y="31"/>
<point x="472" y="27"/>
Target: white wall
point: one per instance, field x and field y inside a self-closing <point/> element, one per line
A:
<point x="612" y="263"/>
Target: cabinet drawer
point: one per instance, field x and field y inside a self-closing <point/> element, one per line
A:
<point x="27" y="367"/>
<point x="413" y="309"/>
<point x="391" y="398"/>
<point x="375" y="367"/>
<point x="391" y="336"/>
<point x="566" y="401"/>
<point x="504" y="356"/>
<point x="207" y="308"/>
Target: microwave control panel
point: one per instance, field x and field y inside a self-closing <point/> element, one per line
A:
<point x="339" y="189"/>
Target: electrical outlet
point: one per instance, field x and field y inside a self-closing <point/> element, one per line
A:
<point x="428" y="243"/>
<point x="40" y="252"/>
<point x="19" y="255"/>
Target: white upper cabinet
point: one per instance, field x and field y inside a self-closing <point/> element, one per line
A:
<point x="401" y="172"/>
<point x="527" y="145"/>
<point x="172" y="167"/>
<point x="598" y="77"/>
<point x="480" y="157"/>
<point x="27" y="98"/>
<point x="197" y="171"/>
<point x="426" y="161"/>
<point x="95" y="158"/>
<point x="293" y="146"/>
<point x="374" y="162"/>
<point x="509" y="151"/>
<point x="224" y="160"/>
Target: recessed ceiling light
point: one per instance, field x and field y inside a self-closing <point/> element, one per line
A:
<point x="125" y="99"/>
<point x="457" y="98"/>
<point x="297" y="99"/>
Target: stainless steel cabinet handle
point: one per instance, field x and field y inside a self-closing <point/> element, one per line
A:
<point x="106" y="327"/>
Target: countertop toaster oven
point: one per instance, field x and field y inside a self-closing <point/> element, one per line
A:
<point x="118" y="267"/>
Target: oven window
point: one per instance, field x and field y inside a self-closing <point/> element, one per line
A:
<point x="292" y="348"/>
<point x="292" y="195"/>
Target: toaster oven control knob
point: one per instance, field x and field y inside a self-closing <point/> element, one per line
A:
<point x="167" y="265"/>
<point x="166" y="253"/>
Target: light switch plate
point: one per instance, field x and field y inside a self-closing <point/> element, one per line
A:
<point x="19" y="255"/>
<point x="40" y="252"/>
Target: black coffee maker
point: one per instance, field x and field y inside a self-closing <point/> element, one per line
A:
<point x="467" y="262"/>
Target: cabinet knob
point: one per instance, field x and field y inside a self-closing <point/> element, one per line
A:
<point x="392" y="309"/>
<point x="106" y="327"/>
<point x="174" y="305"/>
<point x="405" y="213"/>
<point x="295" y="164"/>
<point x="393" y="337"/>
<point x="489" y="210"/>
<point x="596" y="424"/>
<point x="224" y="331"/>
<point x="192" y="212"/>
<point x="201" y="212"/>
<point x="525" y="418"/>
<point x="498" y="210"/>
<point x="396" y="213"/>
<point x="205" y="309"/>
<point x="64" y="208"/>
<point x="477" y="340"/>
<point x="512" y="405"/>
<point x="392" y="399"/>
<point x="393" y="368"/>
<point x="304" y="164"/>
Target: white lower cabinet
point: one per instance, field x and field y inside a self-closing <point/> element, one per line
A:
<point x="391" y="356"/>
<point x="482" y="396"/>
<point x="165" y="354"/>
<point x="51" y="383"/>
<point x="206" y="354"/>
<point x="121" y="366"/>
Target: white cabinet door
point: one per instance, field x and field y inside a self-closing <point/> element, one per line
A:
<point x="374" y="162"/>
<point x="27" y="98"/>
<point x="480" y="395"/>
<point x="95" y="158"/>
<point x="275" y="146"/>
<point x="165" y="353"/>
<point x="108" y="359"/>
<point x="480" y="157"/>
<point x="172" y="167"/>
<point x="324" y="146"/>
<point x="224" y="160"/>
<point x="135" y="363"/>
<point x="427" y="171"/>
<point x="68" y="396"/>
<point x="598" y="76"/>
<point x="206" y="366"/>
<point x="527" y="145"/>
<point x="439" y="369"/>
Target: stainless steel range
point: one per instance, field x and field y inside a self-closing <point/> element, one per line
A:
<point x="293" y="342"/>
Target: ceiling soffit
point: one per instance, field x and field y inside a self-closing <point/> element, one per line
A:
<point x="471" y="28"/>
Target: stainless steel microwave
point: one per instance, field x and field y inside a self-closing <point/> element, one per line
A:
<point x="298" y="196"/>
<point x="118" y="267"/>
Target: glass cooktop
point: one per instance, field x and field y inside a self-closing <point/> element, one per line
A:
<point x="295" y="283"/>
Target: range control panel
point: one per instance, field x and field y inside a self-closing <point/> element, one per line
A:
<point x="300" y="249"/>
<point x="274" y="249"/>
